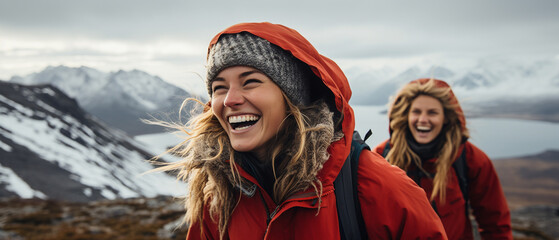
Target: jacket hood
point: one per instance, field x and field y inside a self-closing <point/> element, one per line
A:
<point x="324" y="68"/>
<point x="453" y="100"/>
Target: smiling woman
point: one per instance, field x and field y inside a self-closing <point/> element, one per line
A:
<point x="429" y="139"/>
<point x="262" y="157"/>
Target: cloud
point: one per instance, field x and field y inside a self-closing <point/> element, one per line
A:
<point x="129" y="33"/>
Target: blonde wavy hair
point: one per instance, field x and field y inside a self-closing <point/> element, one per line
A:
<point x="206" y="152"/>
<point x="454" y="132"/>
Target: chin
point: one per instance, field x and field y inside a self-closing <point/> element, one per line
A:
<point x="424" y="141"/>
<point x="241" y="148"/>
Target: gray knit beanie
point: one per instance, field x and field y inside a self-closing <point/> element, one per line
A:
<point x="245" y="49"/>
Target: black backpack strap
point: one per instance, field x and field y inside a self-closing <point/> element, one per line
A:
<point x="367" y="135"/>
<point x="461" y="168"/>
<point x="386" y="148"/>
<point x="350" y="218"/>
<point x="416" y="175"/>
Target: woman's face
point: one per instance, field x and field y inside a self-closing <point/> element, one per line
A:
<point x="425" y="119"/>
<point x="249" y="106"/>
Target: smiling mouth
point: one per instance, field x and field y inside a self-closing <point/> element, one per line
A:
<point x="423" y="129"/>
<point x="243" y="121"/>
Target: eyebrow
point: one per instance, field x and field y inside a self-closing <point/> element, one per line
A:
<point x="243" y="74"/>
<point x="428" y="109"/>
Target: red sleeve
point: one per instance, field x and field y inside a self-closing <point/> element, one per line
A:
<point x="486" y="196"/>
<point x="393" y="206"/>
<point x="208" y="231"/>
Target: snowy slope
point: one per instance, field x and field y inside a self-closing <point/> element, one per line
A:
<point x="51" y="148"/>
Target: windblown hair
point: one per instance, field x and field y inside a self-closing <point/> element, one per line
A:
<point x="403" y="156"/>
<point x="209" y="166"/>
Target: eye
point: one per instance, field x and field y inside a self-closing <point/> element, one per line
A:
<point x="217" y="87"/>
<point x="432" y="112"/>
<point x="251" y="81"/>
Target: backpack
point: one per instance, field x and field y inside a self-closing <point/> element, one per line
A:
<point x="461" y="169"/>
<point x="350" y="218"/>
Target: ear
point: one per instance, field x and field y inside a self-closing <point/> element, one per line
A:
<point x="208" y="106"/>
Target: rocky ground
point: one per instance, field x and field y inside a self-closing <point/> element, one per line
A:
<point x="161" y="218"/>
<point x="536" y="222"/>
<point x="138" y="219"/>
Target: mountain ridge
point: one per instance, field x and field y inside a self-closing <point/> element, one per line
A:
<point x="493" y="87"/>
<point x="120" y="98"/>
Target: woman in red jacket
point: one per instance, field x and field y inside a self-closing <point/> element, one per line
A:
<point x="262" y="157"/>
<point x="427" y="135"/>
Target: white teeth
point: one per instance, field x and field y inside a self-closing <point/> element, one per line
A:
<point x="243" y="118"/>
<point x="423" y="128"/>
<point x="241" y="128"/>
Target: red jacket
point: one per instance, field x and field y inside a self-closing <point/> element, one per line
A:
<point x="393" y="206"/>
<point x="485" y="194"/>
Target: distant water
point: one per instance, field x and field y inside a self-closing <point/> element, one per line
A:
<point x="497" y="137"/>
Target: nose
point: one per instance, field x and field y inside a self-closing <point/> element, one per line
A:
<point x="234" y="97"/>
<point x="422" y="117"/>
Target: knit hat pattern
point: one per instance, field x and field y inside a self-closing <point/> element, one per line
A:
<point x="245" y="49"/>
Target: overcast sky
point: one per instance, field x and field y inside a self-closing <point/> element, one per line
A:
<point x="169" y="38"/>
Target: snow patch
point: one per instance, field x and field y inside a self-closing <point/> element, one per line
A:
<point x="87" y="192"/>
<point x="17" y="185"/>
<point x="47" y="91"/>
<point x="5" y="147"/>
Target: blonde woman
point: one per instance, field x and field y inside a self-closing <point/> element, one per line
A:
<point x="262" y="157"/>
<point x="429" y="140"/>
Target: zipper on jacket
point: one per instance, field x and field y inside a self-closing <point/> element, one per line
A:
<point x="269" y="219"/>
<point x="269" y="215"/>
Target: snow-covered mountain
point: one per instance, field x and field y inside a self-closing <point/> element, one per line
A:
<point x="119" y="98"/>
<point x="500" y="86"/>
<point x="51" y="148"/>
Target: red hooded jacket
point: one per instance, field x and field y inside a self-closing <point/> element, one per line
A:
<point x="392" y="205"/>
<point x="485" y="194"/>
